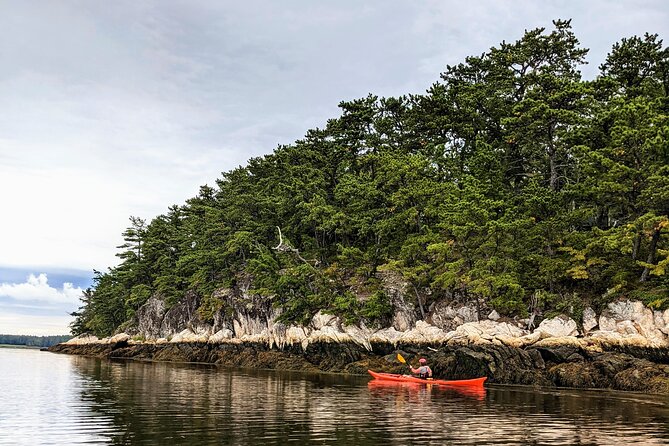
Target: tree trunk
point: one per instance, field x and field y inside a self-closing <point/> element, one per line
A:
<point x="552" y="160"/>
<point x="554" y="174"/>
<point x="420" y="303"/>
<point x="637" y="245"/>
<point x="652" y="250"/>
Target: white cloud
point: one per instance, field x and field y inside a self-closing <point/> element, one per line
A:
<point x="454" y="30"/>
<point x="111" y="111"/>
<point x="37" y="288"/>
<point x="36" y="325"/>
<point x="125" y="108"/>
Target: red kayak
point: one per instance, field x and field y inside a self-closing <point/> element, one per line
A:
<point x="476" y="382"/>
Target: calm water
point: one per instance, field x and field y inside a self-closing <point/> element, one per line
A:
<point x="57" y="399"/>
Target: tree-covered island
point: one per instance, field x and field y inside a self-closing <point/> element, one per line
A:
<point x="512" y="184"/>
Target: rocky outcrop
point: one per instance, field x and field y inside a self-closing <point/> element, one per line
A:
<point x="154" y="320"/>
<point x="185" y="316"/>
<point x="397" y="288"/>
<point x="589" y="320"/>
<point x="631" y="321"/>
<point x="245" y="317"/>
<point x="149" y="318"/>
<point x="83" y="340"/>
<point x="488" y="330"/>
<point x="560" y="326"/>
<point x="662" y="321"/>
<point x="448" y="316"/>
<point x="558" y="351"/>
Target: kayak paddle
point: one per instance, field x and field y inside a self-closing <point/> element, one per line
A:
<point x="401" y="359"/>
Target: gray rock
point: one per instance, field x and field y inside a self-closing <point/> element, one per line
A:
<point x="183" y="316"/>
<point x="560" y="326"/>
<point x="397" y="289"/>
<point x="633" y="318"/>
<point x="662" y="320"/>
<point x="589" y="319"/>
<point x="149" y="318"/>
<point x="449" y="316"/>
<point x="607" y="323"/>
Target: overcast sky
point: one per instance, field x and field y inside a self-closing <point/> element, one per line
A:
<point x="112" y="109"/>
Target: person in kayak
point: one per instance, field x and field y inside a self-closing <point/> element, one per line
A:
<point x="423" y="371"/>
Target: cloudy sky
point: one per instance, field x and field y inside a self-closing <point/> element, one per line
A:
<point x="112" y="109"/>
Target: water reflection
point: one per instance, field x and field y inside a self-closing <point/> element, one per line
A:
<point x="40" y="402"/>
<point x="382" y="388"/>
<point x="187" y="404"/>
<point x="585" y="417"/>
<point x="82" y="400"/>
<point x="183" y="403"/>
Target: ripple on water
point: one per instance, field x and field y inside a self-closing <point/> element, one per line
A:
<point x="59" y="400"/>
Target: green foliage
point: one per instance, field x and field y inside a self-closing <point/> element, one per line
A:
<point x="210" y="305"/>
<point x="656" y="298"/>
<point x="555" y="304"/>
<point x="511" y="183"/>
<point x="169" y="287"/>
<point x="139" y="294"/>
<point x="506" y="296"/>
<point x="374" y="310"/>
<point x="377" y="308"/>
<point x="300" y="292"/>
<point x="347" y="306"/>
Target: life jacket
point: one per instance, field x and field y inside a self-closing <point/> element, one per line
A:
<point x="423" y="372"/>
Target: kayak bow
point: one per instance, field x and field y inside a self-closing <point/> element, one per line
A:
<point x="476" y="382"/>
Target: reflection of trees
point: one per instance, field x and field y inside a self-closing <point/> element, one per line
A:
<point x="524" y="415"/>
<point x="177" y="403"/>
<point x="162" y="403"/>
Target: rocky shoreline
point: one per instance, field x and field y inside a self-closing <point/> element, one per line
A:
<point x="548" y="365"/>
<point x="624" y="347"/>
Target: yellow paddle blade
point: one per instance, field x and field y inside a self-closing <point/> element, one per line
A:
<point x="401" y="359"/>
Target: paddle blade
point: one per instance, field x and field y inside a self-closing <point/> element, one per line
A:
<point x="401" y="359"/>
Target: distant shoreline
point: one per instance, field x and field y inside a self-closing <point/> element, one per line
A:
<point x="32" y="340"/>
<point x="34" y="347"/>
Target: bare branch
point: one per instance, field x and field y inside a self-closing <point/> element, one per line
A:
<point x="281" y="247"/>
<point x="280" y="239"/>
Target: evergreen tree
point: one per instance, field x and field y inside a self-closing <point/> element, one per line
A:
<point x="511" y="183"/>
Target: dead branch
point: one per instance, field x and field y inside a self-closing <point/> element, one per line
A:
<point x="281" y="247"/>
